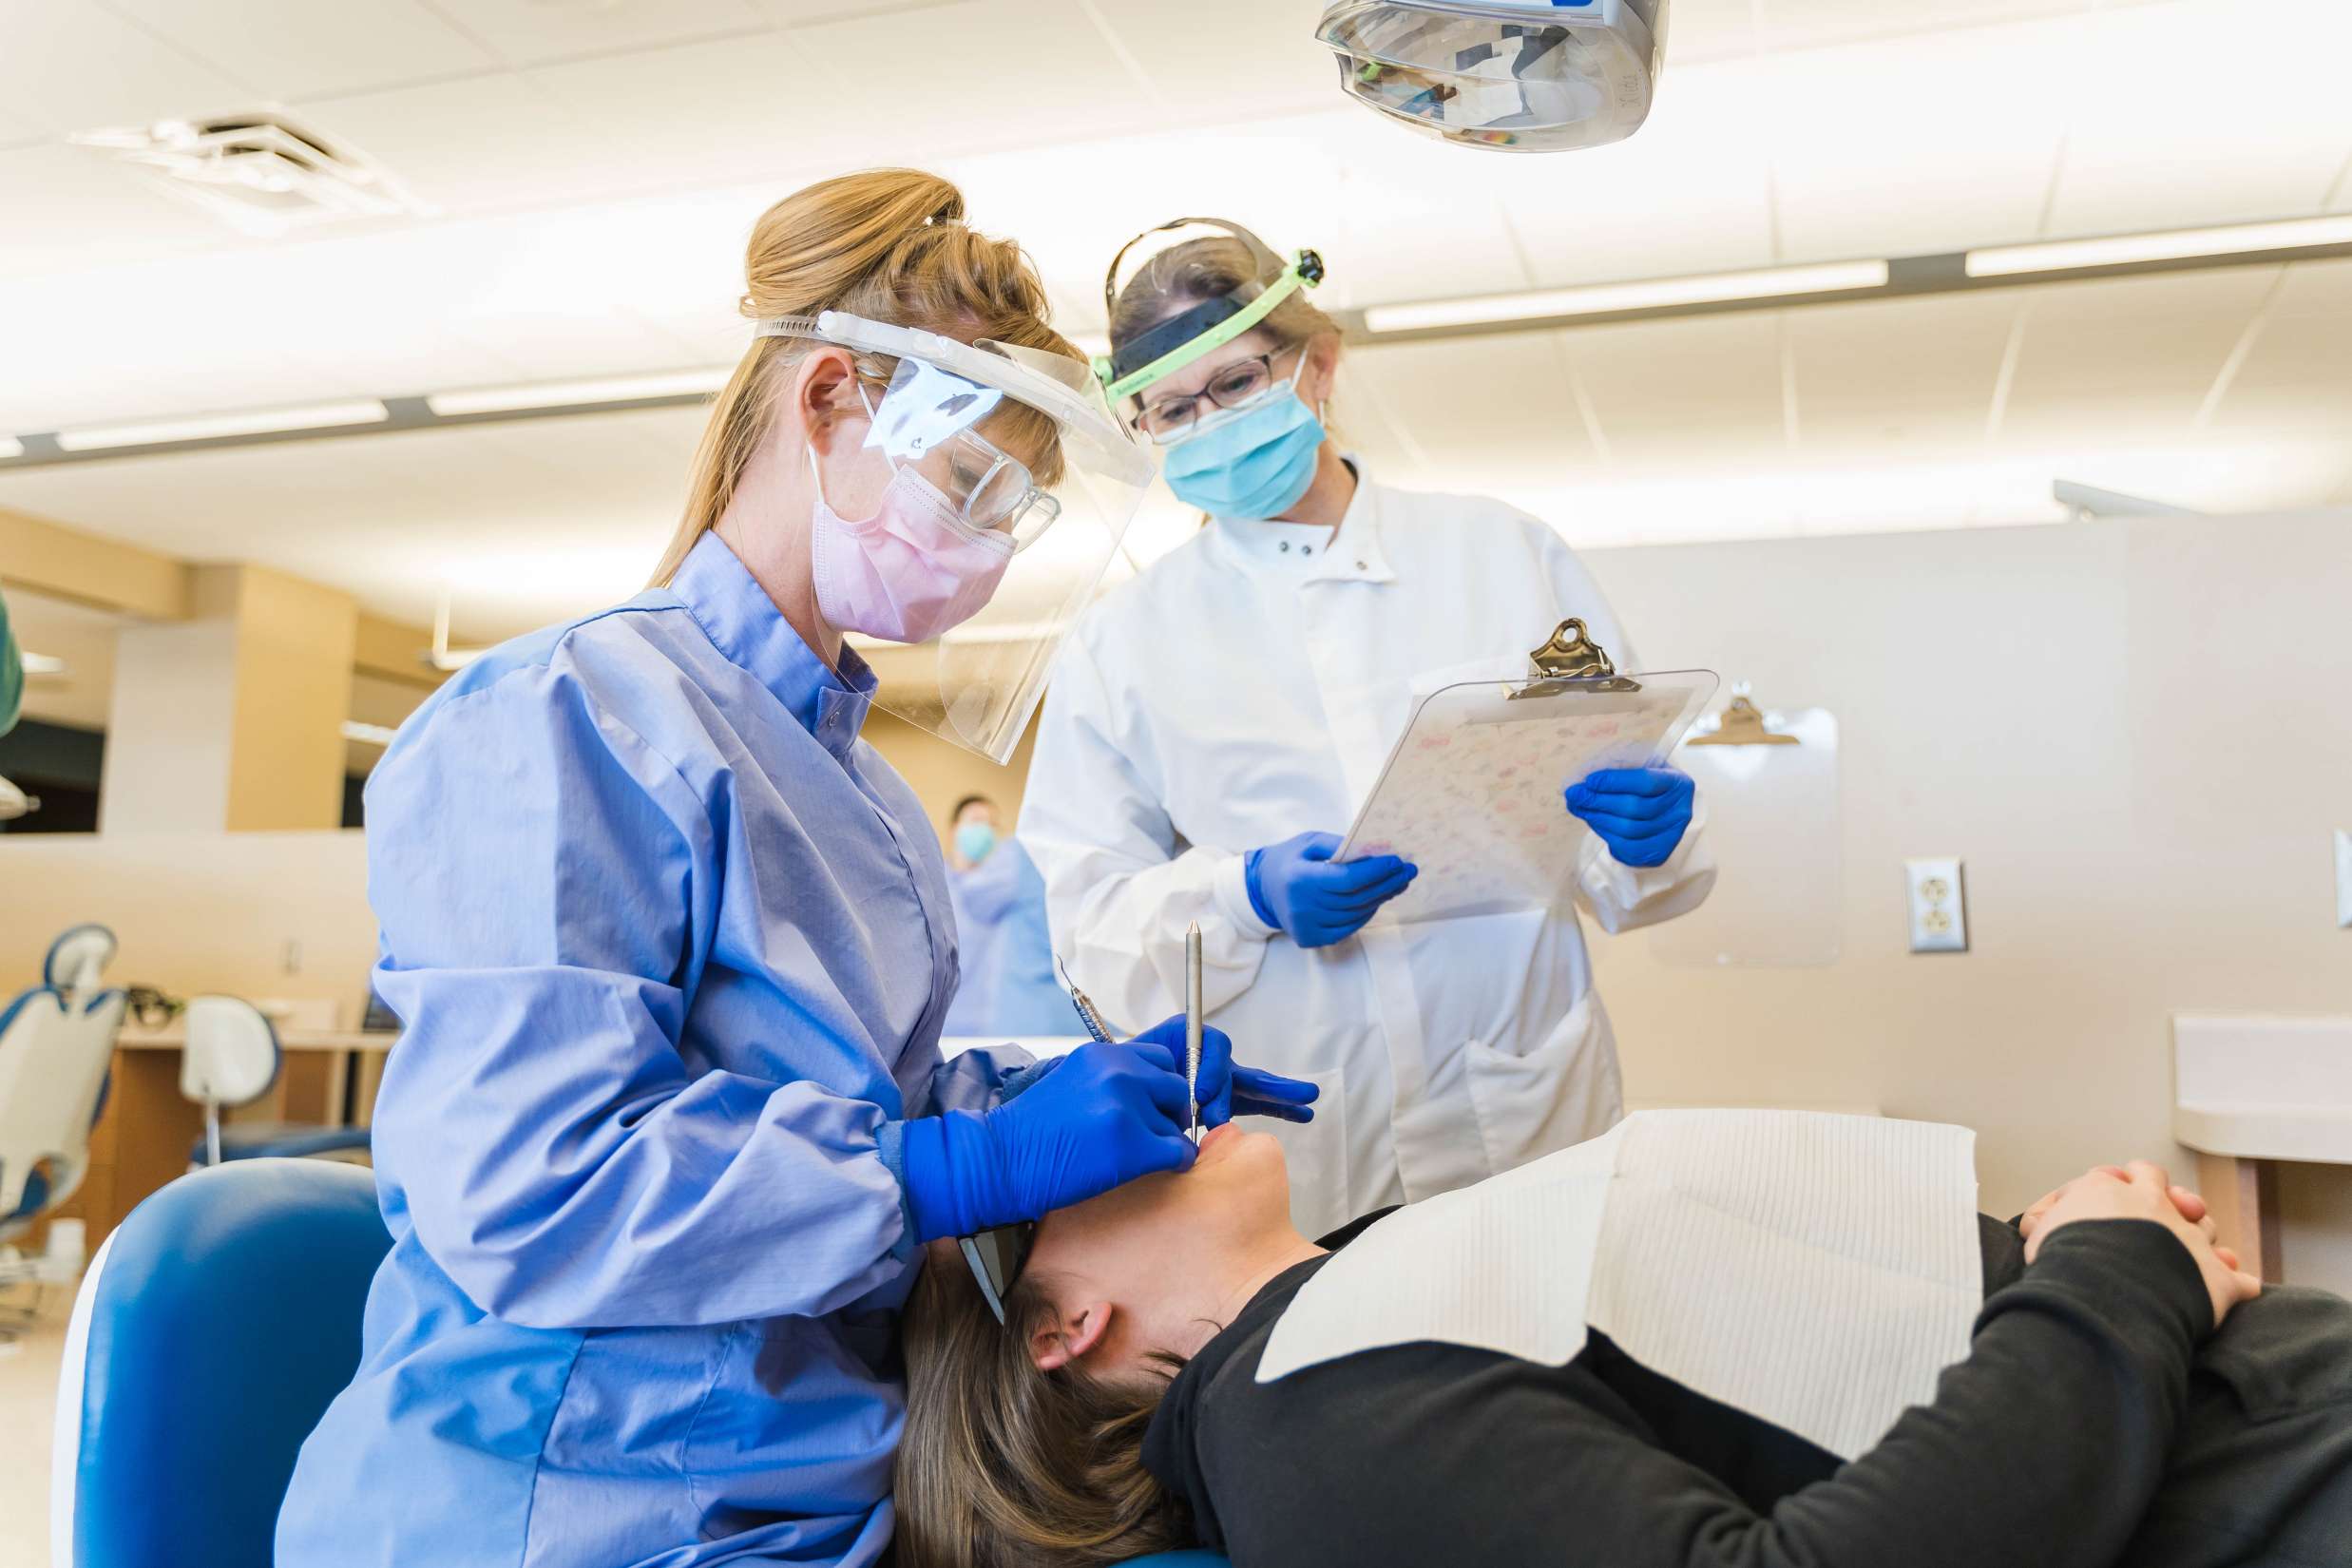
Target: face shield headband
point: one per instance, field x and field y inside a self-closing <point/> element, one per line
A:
<point x="1181" y="339"/>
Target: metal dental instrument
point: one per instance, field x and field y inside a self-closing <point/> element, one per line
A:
<point x="1192" y="1024"/>
<point x="1086" y="1013"/>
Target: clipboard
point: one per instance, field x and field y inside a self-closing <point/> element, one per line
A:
<point x="1471" y="791"/>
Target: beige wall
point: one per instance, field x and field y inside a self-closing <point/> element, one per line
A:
<point x="197" y="912"/>
<point x="2137" y="735"/>
<point x="942" y="774"/>
<point x="2134" y="732"/>
<point x="233" y="718"/>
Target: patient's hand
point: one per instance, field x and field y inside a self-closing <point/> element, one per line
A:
<point x="2141" y="1191"/>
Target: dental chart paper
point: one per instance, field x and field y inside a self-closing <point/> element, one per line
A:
<point x="1471" y="791"/>
<point x="1815" y="1270"/>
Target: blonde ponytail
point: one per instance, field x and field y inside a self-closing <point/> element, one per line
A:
<point x="887" y="245"/>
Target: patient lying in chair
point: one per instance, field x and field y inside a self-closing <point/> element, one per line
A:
<point x="2099" y="1419"/>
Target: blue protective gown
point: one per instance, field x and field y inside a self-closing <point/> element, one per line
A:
<point x="1008" y="987"/>
<point x="672" y="947"/>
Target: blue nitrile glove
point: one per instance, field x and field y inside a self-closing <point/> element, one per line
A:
<point x="1641" y="814"/>
<point x="1228" y="1091"/>
<point x="1295" y="886"/>
<point x="1107" y="1115"/>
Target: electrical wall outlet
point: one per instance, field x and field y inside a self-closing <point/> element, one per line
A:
<point x="1938" y="905"/>
<point x="2343" y="878"/>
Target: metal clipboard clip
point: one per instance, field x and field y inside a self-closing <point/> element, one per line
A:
<point x="1571" y="661"/>
<point x="1742" y="725"/>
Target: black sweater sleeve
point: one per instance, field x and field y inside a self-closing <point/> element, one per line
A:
<point x="2046" y="1445"/>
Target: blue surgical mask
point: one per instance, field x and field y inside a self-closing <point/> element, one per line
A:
<point x="974" y="840"/>
<point x="1255" y="465"/>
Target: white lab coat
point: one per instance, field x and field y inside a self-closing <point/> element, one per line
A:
<point x="1247" y="687"/>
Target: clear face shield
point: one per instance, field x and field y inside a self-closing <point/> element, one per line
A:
<point x="1017" y="445"/>
<point x="1510" y="75"/>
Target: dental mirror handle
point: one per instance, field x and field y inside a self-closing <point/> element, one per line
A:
<point x="1192" y="1025"/>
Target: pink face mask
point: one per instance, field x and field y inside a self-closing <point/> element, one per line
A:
<point x="909" y="572"/>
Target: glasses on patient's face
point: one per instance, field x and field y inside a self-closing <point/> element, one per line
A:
<point x="1171" y="419"/>
<point x="996" y="1258"/>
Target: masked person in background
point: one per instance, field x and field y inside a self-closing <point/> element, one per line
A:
<point x="668" y="1121"/>
<point x="1007" y="986"/>
<point x="1214" y="725"/>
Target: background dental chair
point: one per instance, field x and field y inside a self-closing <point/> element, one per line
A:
<point x="231" y="1059"/>
<point x="235" y="1293"/>
<point x="56" y="1048"/>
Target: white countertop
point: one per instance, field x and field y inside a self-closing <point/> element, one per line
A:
<point x="2263" y="1087"/>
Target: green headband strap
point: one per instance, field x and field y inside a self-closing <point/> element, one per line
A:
<point x="1217" y="336"/>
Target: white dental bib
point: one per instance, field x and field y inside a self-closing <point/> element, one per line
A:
<point x="1815" y="1270"/>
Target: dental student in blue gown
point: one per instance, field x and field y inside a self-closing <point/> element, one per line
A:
<point x="1009" y="984"/>
<point x="669" y="1125"/>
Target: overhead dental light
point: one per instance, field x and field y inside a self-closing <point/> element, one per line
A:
<point x="1510" y="75"/>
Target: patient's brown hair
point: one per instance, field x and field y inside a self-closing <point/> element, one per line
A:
<point x="1005" y="1467"/>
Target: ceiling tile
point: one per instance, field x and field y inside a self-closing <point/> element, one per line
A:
<point x="70" y="209"/>
<point x="481" y="142"/>
<point x="1710" y="30"/>
<point x="1702" y="392"/>
<point x="293" y="49"/>
<point x="1691" y="193"/>
<point x="2129" y="358"/>
<point x="525" y="32"/>
<point x="1487" y="412"/>
<point x="988" y="74"/>
<point x="1857" y="136"/>
<point x="1810" y="24"/>
<point x="71" y="66"/>
<point x="709" y="113"/>
<point x="1196" y="74"/>
<point x="2161" y="137"/>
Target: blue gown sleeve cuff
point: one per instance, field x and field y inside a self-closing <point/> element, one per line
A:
<point x="890" y="1142"/>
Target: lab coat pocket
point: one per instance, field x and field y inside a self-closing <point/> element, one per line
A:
<point x="1530" y="1103"/>
<point x="1316" y="1153"/>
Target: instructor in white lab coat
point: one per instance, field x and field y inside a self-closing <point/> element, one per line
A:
<point x="1212" y="728"/>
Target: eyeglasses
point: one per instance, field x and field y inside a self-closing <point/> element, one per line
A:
<point x="1170" y="419"/>
<point x="997" y="1258"/>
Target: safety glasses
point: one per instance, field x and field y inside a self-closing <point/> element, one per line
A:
<point x="996" y="1258"/>
<point x="925" y="420"/>
<point x="1171" y="419"/>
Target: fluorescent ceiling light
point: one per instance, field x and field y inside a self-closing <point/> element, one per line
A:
<point x="1643" y="294"/>
<point x="558" y="394"/>
<point x="2173" y="246"/>
<point x="11" y="447"/>
<point x="40" y="663"/>
<point x="368" y="735"/>
<point x="205" y="426"/>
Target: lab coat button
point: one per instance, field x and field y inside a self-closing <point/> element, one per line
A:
<point x="1285" y="546"/>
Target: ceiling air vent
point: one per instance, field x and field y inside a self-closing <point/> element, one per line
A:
<point x="262" y="171"/>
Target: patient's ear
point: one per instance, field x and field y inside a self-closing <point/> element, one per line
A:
<point x="1069" y="1334"/>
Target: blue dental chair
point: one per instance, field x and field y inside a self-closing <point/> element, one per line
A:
<point x="56" y="1049"/>
<point x="236" y="1289"/>
<point x="232" y="1292"/>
